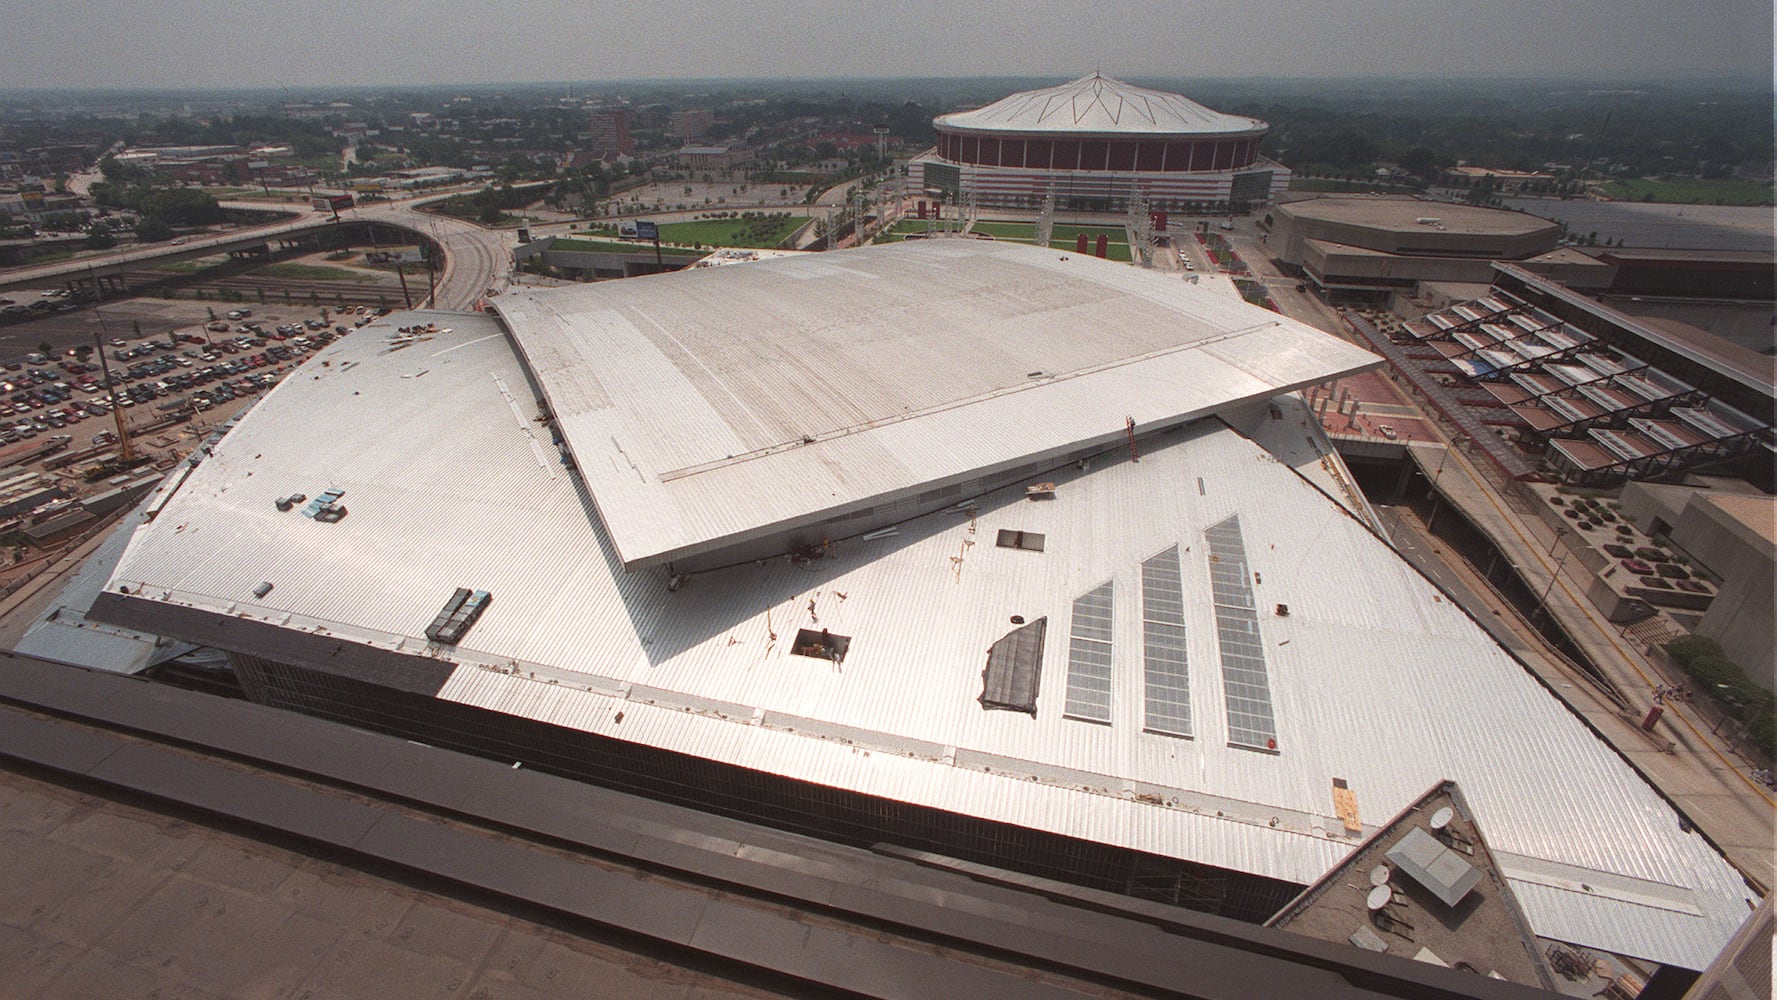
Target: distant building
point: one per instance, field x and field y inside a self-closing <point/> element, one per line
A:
<point x="714" y="157"/>
<point x="1504" y="181"/>
<point x="1371" y="246"/>
<point x="691" y="123"/>
<point x="1733" y="534"/>
<point x="610" y="133"/>
<point x="1098" y="144"/>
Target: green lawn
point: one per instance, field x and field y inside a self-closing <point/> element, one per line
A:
<point x="571" y="245"/>
<point x="1116" y="245"/>
<point x="1112" y="251"/>
<point x="1115" y="234"/>
<point x="184" y="266"/>
<point x="1690" y="191"/>
<point x="1024" y="231"/>
<point x="759" y="231"/>
<point x="916" y="226"/>
<point x="1336" y="185"/>
<point x="313" y="272"/>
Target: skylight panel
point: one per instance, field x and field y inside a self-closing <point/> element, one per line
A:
<point x="1166" y="686"/>
<point x="1089" y="657"/>
<point x="1245" y="681"/>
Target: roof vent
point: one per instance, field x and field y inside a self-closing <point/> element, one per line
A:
<point x="822" y="645"/>
<point x="1030" y="541"/>
<point x="325" y="508"/>
<point x="458" y="615"/>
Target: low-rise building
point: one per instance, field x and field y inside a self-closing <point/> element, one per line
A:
<point x="1374" y="246"/>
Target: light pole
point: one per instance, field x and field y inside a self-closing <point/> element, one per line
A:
<point x="1542" y="603"/>
<point x="1435" y="495"/>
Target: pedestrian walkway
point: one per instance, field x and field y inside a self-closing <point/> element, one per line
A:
<point x="1701" y="772"/>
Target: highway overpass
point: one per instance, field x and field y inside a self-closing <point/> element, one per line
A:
<point x="476" y="260"/>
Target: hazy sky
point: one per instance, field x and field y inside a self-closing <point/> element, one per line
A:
<point x="308" y="43"/>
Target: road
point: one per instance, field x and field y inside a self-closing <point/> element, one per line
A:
<point x="477" y="261"/>
<point x="476" y="258"/>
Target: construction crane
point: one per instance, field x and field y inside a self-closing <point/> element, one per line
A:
<point x="126" y="451"/>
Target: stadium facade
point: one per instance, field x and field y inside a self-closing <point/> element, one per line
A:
<point x="970" y="548"/>
<point x="1098" y="144"/>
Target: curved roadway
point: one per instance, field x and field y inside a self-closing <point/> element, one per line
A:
<point x="476" y="260"/>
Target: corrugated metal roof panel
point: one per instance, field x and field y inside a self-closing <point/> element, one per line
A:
<point x="1375" y="678"/>
<point x="731" y="402"/>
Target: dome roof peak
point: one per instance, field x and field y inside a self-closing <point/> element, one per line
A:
<point x="1097" y="104"/>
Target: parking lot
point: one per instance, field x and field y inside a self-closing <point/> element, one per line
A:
<point x="152" y="379"/>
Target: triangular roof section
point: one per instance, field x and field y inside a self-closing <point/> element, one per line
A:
<point x="734" y="413"/>
<point x="1098" y="104"/>
<point x="1424" y="886"/>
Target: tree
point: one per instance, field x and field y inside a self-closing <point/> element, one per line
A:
<point x="153" y="229"/>
<point x="1420" y="162"/>
<point x="118" y="172"/>
<point x="100" y="239"/>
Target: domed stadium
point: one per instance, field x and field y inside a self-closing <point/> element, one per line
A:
<point x="1097" y="143"/>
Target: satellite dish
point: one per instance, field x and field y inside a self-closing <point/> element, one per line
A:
<point x="1378" y="898"/>
<point x="1379" y="875"/>
<point x="1441" y="818"/>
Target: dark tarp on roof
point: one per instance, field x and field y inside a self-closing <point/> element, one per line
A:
<point x="1014" y="665"/>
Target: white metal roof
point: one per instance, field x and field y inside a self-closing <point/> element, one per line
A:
<point x="63" y="633"/>
<point x="731" y="404"/>
<point x="1099" y="105"/>
<point x="1375" y="677"/>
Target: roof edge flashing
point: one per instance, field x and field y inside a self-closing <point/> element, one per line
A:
<point x="782" y="537"/>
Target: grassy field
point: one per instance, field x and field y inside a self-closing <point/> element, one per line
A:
<point x="1069" y="233"/>
<point x="1023" y="231"/>
<point x="1112" y="251"/>
<point x="1689" y="191"/>
<point x="1333" y="185"/>
<point x="1116" y="245"/>
<point x="184" y="266"/>
<point x="571" y="245"/>
<point x="766" y="232"/>
<point x="313" y="272"/>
